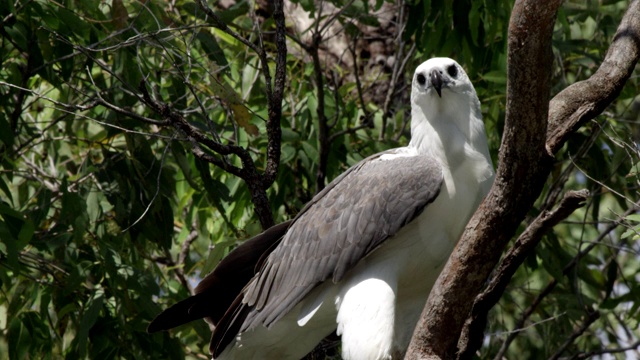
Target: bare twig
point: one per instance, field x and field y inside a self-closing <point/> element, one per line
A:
<point x="356" y="74"/>
<point x="590" y="354"/>
<point x="349" y="130"/>
<point x="591" y="318"/>
<point x="184" y="255"/>
<point x="398" y="66"/>
<point x="323" y="126"/>
<point x="119" y="110"/>
<point x="274" y="96"/>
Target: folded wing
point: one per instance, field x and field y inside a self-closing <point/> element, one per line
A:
<point x="350" y="218"/>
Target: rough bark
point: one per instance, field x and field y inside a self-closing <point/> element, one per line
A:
<point x="527" y="148"/>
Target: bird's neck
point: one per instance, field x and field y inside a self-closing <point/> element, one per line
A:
<point x="459" y="146"/>
<point x="450" y="133"/>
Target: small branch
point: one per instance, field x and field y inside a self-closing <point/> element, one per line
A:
<point x="398" y="70"/>
<point x="333" y="17"/>
<point x="193" y="133"/>
<point x="633" y="346"/>
<point x="40" y="96"/>
<point x="259" y="183"/>
<point x="119" y="110"/>
<point x="182" y="258"/>
<point x="274" y="95"/>
<point x="552" y="284"/>
<point x="356" y="75"/>
<point x="525" y="315"/>
<point x="349" y="130"/>
<point x="186" y="246"/>
<point x="591" y="318"/>
<point x="219" y="24"/>
<point x="179" y="265"/>
<point x="557" y="187"/>
<point x="248" y="172"/>
<point x="367" y="122"/>
<point x="473" y="332"/>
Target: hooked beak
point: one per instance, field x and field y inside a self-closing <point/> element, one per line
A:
<point x="436" y="81"/>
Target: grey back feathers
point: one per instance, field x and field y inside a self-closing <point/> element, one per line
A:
<point x="356" y="213"/>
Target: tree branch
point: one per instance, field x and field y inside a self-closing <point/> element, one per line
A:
<point x="274" y="94"/>
<point x="584" y="100"/>
<point x="552" y="284"/>
<point x="591" y="318"/>
<point x="473" y="332"/>
<point x="248" y="172"/>
<point x="274" y="99"/>
<point x="323" y="127"/>
<point x="591" y="354"/>
<point x="219" y="24"/>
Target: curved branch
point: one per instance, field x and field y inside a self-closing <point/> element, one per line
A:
<point x="552" y="284"/>
<point x="472" y="335"/>
<point x="585" y="100"/>
<point x="592" y="316"/>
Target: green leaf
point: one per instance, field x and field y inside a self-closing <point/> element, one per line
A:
<point x="550" y="262"/>
<point x="18" y="340"/>
<point x="612" y="274"/>
<point x="311" y="151"/>
<point x="18" y="34"/>
<point x="212" y="48"/>
<point x="288" y="153"/>
<point x="497" y="77"/>
<point x="6" y="133"/>
<point x="179" y="154"/>
<point x="215" y="255"/>
<point x="89" y="317"/>
<point x="632" y="296"/>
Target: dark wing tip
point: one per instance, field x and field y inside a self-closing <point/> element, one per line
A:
<point x="217" y="291"/>
<point x="174" y="316"/>
<point x="229" y="326"/>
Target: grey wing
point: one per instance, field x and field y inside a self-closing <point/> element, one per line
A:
<point x="354" y="216"/>
<point x="342" y="224"/>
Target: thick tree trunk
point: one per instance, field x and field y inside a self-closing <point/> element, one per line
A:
<point x="531" y="137"/>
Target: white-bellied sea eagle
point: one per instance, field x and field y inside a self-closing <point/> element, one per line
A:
<point x="363" y="254"/>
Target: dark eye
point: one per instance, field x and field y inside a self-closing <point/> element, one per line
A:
<point x="452" y="70"/>
<point x="421" y="79"/>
